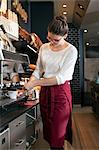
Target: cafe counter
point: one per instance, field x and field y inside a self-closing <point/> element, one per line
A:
<point x="17" y="124"/>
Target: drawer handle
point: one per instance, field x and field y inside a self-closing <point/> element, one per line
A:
<point x="20" y="142"/>
<point x="4" y="131"/>
<point x="3" y="141"/>
<point x="19" y="123"/>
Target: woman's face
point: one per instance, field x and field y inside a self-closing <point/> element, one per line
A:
<point x="55" y="39"/>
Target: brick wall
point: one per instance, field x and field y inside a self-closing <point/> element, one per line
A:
<point x="74" y="38"/>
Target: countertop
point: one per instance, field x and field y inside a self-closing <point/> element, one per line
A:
<point x="12" y="111"/>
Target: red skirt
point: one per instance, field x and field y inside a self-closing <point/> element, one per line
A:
<point x="56" y="107"/>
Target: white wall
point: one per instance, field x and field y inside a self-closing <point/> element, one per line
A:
<point x="91" y="68"/>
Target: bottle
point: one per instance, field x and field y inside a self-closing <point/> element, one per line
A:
<point x="33" y="94"/>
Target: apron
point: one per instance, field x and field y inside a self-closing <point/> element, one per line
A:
<point x="56" y="107"/>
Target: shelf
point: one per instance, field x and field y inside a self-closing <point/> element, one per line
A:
<point x="11" y="28"/>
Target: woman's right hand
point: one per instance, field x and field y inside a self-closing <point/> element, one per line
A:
<point x="20" y="93"/>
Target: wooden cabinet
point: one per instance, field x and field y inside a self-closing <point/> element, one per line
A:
<point x="95" y="98"/>
<point x="18" y="133"/>
<point x="95" y="104"/>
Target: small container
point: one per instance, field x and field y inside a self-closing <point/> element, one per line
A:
<point x="33" y="94"/>
<point x="37" y="93"/>
<point x="13" y="94"/>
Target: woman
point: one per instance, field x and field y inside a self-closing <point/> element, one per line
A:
<point x="56" y="62"/>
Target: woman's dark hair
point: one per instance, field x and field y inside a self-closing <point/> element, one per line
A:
<point x="58" y="25"/>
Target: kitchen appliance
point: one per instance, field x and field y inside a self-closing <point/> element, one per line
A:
<point x="10" y="61"/>
<point x="7" y="61"/>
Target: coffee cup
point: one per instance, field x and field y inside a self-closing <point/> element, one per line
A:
<point x="13" y="94"/>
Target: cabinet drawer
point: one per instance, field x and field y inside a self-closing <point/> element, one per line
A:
<point x="20" y="144"/>
<point x="17" y="128"/>
<point x="4" y="140"/>
<point x="18" y="121"/>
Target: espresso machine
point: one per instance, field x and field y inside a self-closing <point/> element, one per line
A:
<point x="10" y="61"/>
<point x="7" y="61"/>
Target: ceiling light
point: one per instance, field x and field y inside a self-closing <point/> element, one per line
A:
<point x="87" y="43"/>
<point x="64" y="13"/>
<point x="64" y="5"/>
<point x="81" y="6"/>
<point x="85" y="30"/>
